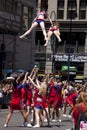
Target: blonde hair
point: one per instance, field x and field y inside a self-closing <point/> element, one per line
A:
<point x="80" y="97"/>
<point x="85" y="102"/>
<point x="56" y="24"/>
<point x="43" y="89"/>
<point x="85" y="98"/>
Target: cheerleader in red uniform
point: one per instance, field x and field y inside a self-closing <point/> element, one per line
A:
<point x="27" y="92"/>
<point x="38" y="105"/>
<point x="71" y="100"/>
<point x="54" y="29"/>
<point x="27" y="99"/>
<point x="51" y="91"/>
<point x="65" y="95"/>
<point x="57" y="100"/>
<point x="39" y="20"/>
<point x="46" y="109"/>
<point x="16" y="102"/>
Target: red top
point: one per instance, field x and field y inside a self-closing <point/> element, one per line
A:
<point x="53" y="28"/>
<point x="52" y="89"/>
<point x="16" y="95"/>
<point x="76" y="112"/>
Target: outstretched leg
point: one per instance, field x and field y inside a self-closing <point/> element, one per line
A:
<point x="31" y="28"/>
<point x="49" y="34"/>
<point x="57" y="35"/>
<point x="43" y="29"/>
<point x="8" y="118"/>
<point x="25" y="118"/>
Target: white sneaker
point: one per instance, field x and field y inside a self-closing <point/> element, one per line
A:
<point x="59" y="109"/>
<point x="68" y="129"/>
<point x="64" y="115"/>
<point x="45" y="120"/>
<point x="31" y="120"/>
<point x="36" y="126"/>
<point x="45" y="44"/>
<point x="69" y="116"/>
<point x="53" y="120"/>
<point x="29" y="125"/>
<point x="60" y="120"/>
<point x="60" y="40"/>
<point x="5" y="125"/>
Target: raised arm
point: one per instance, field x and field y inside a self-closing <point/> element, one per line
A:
<point x="18" y="78"/>
<point x="36" y="85"/>
<point x="50" y="20"/>
<point x="47" y="76"/>
<point x="35" y="73"/>
<point x="25" y="78"/>
<point x="33" y="83"/>
<point x="32" y="72"/>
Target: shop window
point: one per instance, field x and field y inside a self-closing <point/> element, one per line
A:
<point x="80" y="68"/>
<point x="81" y="43"/>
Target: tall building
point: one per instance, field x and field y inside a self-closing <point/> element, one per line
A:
<point x="72" y="51"/>
<point x="15" y="18"/>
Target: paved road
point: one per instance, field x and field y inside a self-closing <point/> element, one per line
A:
<point x="16" y="122"/>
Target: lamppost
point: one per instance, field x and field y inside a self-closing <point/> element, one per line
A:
<point x="53" y="16"/>
<point x="72" y="15"/>
<point x="53" y="52"/>
<point x="68" y="76"/>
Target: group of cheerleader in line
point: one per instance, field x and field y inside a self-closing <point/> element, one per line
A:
<point x="40" y="20"/>
<point x="45" y="97"/>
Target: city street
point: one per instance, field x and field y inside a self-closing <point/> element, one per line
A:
<point x="16" y="122"/>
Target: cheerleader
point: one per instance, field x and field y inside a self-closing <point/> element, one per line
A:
<point x="16" y="101"/>
<point x="54" y="29"/>
<point x="51" y="91"/>
<point x="57" y="98"/>
<point x="40" y="91"/>
<point x="27" y="92"/>
<point x="39" y="20"/>
<point x="71" y="100"/>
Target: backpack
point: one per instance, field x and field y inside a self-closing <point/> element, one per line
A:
<point x="82" y="120"/>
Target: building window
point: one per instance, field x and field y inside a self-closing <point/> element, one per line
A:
<point x="37" y="5"/>
<point x="30" y="14"/>
<point x="75" y="44"/>
<point x="71" y="10"/>
<point x="81" y="43"/>
<point x="59" y="47"/>
<point x="9" y="6"/>
<point x="39" y="40"/>
<point x="15" y="6"/>
<point x="27" y="15"/>
<point x="60" y="9"/>
<point x="82" y="9"/>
